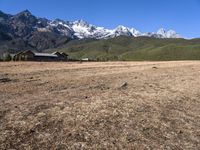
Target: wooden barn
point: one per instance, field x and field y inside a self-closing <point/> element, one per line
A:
<point x="31" y="56"/>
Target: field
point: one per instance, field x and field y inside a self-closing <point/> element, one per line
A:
<point x="110" y="105"/>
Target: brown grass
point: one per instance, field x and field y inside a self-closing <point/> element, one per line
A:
<point x="113" y="105"/>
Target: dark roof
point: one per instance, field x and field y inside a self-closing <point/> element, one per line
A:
<point x="64" y="54"/>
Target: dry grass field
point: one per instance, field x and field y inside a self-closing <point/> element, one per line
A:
<point x="111" y="105"/>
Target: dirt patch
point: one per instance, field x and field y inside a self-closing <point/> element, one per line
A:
<point x="4" y="80"/>
<point x="111" y="105"/>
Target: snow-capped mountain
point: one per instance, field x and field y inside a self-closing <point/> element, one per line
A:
<point x="168" y="34"/>
<point x="162" y="33"/>
<point x="26" y="30"/>
<point x="82" y="29"/>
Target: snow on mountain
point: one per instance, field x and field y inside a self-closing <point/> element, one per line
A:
<point x="162" y="33"/>
<point x="61" y="27"/>
<point x="167" y="34"/>
<point x="82" y="29"/>
<point x="122" y="30"/>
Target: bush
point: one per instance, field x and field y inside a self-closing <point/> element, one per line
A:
<point x="7" y="57"/>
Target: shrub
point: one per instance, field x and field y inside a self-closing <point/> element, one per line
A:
<point x="7" y="57"/>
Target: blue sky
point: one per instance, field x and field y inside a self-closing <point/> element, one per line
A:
<point x="144" y="15"/>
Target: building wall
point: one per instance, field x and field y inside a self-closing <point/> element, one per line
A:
<point x="28" y="56"/>
<point x="45" y="58"/>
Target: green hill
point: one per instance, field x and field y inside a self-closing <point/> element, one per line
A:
<point x="134" y="48"/>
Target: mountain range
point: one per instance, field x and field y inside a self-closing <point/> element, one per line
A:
<point x="26" y="31"/>
<point x="81" y="29"/>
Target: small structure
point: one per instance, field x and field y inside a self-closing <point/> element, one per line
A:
<point x="85" y="59"/>
<point x="31" y="56"/>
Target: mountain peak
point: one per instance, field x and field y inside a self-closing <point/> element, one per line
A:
<point x="161" y="31"/>
<point x="2" y="14"/>
<point x="167" y="33"/>
<point x="25" y="13"/>
<point x="121" y="27"/>
<point x="81" y="22"/>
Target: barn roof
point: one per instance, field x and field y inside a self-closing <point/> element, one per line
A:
<point x="45" y="55"/>
<point x="55" y="53"/>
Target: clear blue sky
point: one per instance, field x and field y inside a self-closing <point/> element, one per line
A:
<point x="144" y="15"/>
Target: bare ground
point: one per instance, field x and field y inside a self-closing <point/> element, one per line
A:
<point x="113" y="105"/>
